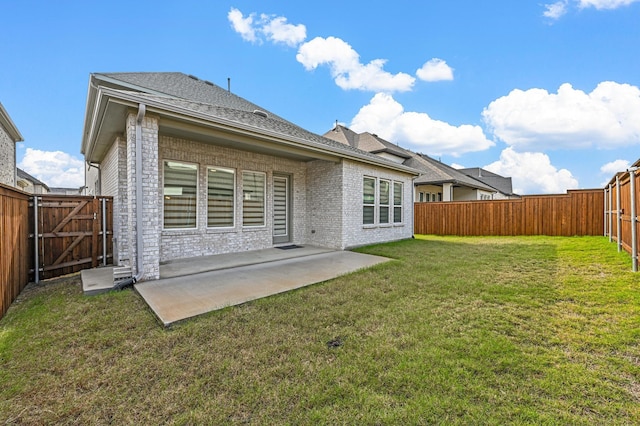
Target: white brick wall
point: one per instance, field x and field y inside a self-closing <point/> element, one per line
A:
<point x="7" y="158"/>
<point x="324" y="189"/>
<point x="202" y="241"/>
<point x="150" y="195"/>
<point x="354" y="232"/>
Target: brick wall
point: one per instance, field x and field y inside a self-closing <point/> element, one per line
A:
<point x="354" y="232"/>
<point x="7" y="158"/>
<point x="205" y="241"/>
<point x="324" y="189"/>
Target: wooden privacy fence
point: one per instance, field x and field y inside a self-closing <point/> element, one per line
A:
<point x="621" y="206"/>
<point x="15" y="246"/>
<point x="45" y="236"/>
<point x="579" y="212"/>
<point x="73" y="233"/>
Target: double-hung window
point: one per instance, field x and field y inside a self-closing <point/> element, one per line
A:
<point x="180" y="195"/>
<point x="397" y="202"/>
<point x="253" y="198"/>
<point x="369" y="201"/>
<point x="220" y="197"/>
<point x="385" y="201"/>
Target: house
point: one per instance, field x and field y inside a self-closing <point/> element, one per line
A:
<point x="501" y="184"/>
<point x="437" y="181"/>
<point x="9" y="136"/>
<point x="196" y="170"/>
<point x="30" y="184"/>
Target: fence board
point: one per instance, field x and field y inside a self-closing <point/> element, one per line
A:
<point x="579" y="212"/>
<point x="14" y="245"/>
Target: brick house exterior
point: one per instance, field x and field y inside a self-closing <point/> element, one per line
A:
<point x="222" y="175"/>
<point x="9" y="136"/>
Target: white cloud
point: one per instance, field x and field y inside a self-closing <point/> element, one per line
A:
<point x="242" y="25"/>
<point x="457" y="166"/>
<point x="555" y="10"/>
<point x="274" y="28"/>
<point x="435" y="70"/>
<point x="55" y="168"/>
<point x="570" y="119"/>
<point x="561" y="7"/>
<point x="614" y="167"/>
<point x="346" y="68"/>
<point x="279" y="31"/>
<point x="605" y="4"/>
<point x="387" y="118"/>
<point x="532" y="173"/>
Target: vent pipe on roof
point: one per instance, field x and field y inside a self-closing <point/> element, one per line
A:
<point x="229" y="84"/>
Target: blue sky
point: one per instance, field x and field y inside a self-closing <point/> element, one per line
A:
<point x="547" y="93"/>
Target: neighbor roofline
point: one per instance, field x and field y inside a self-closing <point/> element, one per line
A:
<point x="8" y="124"/>
<point x="104" y="95"/>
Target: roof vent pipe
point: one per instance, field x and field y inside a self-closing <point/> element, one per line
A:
<point x="229" y="84"/>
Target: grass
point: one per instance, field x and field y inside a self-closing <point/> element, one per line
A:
<point x="533" y="330"/>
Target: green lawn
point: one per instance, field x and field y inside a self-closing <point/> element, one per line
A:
<point x="524" y="330"/>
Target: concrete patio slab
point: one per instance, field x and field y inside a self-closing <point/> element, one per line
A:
<point x="97" y="280"/>
<point x="180" y="297"/>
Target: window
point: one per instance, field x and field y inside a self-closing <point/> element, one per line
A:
<point x="421" y="197"/>
<point x="253" y="189"/>
<point x="384" y="200"/>
<point x="220" y="197"/>
<point x="439" y="196"/>
<point x="369" y="201"/>
<point x="397" y="202"/>
<point x="180" y="195"/>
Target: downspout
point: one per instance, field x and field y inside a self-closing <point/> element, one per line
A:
<point x="139" y="203"/>
<point x="634" y="219"/>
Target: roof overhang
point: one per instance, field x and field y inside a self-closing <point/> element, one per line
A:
<point x="107" y="109"/>
<point x="8" y="125"/>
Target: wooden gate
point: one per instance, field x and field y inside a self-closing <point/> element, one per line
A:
<point x="73" y="233"/>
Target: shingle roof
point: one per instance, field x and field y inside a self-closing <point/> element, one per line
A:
<point x="24" y="175"/>
<point x="366" y="141"/>
<point x="192" y="94"/>
<point x="437" y="172"/>
<point x="184" y="86"/>
<point x="501" y="183"/>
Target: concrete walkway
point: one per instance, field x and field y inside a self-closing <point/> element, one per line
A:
<point x="192" y="287"/>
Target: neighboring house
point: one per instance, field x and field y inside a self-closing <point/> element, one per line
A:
<point x="437" y="181"/>
<point x="501" y="184"/>
<point x="29" y="184"/>
<point x="197" y="170"/>
<point x="9" y="136"/>
<point x="65" y="191"/>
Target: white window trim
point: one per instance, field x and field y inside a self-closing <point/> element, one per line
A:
<point x="393" y="202"/>
<point x="264" y="198"/>
<point x="235" y="199"/>
<point x="169" y="160"/>
<point x="374" y="205"/>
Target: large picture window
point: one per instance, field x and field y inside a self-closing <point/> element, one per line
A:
<point x="253" y="195"/>
<point x="180" y="195"/>
<point x="369" y="201"/>
<point x="385" y="201"/>
<point x="397" y="202"/>
<point x="220" y="197"/>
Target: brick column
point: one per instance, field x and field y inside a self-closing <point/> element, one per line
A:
<point x="151" y="227"/>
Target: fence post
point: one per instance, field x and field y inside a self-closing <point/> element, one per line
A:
<point x="605" y="212"/>
<point x="610" y="215"/>
<point x="104" y="231"/>
<point x="36" y="254"/>
<point x="634" y="219"/>
<point x="618" y="213"/>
